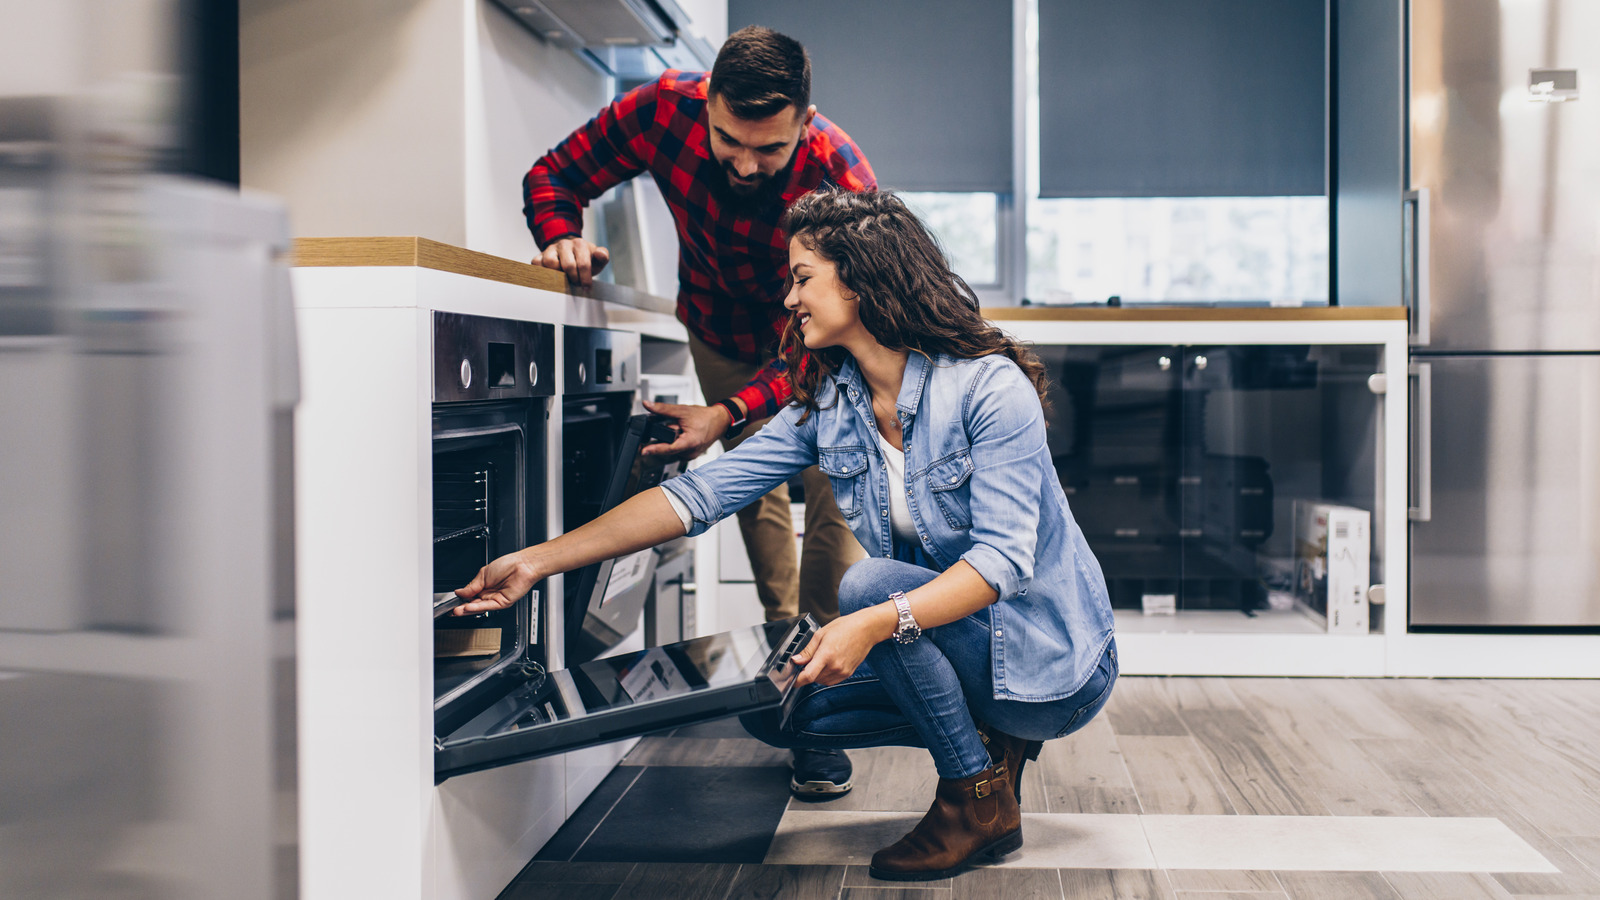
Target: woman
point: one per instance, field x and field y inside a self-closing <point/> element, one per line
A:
<point x="979" y="625"/>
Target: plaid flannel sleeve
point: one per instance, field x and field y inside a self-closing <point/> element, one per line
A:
<point x="592" y="160"/>
<point x="767" y="392"/>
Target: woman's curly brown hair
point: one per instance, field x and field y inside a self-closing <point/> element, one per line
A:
<point x="908" y="297"/>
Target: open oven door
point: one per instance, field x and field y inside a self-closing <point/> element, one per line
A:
<point x="532" y="713"/>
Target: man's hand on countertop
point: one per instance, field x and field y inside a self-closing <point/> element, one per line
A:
<point x="575" y="256"/>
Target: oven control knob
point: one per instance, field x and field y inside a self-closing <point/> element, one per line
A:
<point x="533" y="374"/>
<point x="583" y="374"/>
<point x="466" y="374"/>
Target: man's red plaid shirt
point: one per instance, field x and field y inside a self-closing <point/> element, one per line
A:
<point x="732" y="263"/>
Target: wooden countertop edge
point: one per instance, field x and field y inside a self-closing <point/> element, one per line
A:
<point x="1195" y="314"/>
<point x="430" y="254"/>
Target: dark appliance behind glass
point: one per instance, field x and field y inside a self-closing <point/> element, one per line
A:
<point x="607" y="598"/>
<point x="1181" y="463"/>
<point x="492" y="380"/>
<point x="598" y="397"/>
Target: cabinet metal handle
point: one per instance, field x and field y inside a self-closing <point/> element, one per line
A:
<point x="1420" y="286"/>
<point x="1422" y="429"/>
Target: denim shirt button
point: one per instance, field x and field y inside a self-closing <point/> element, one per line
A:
<point x="886" y="513"/>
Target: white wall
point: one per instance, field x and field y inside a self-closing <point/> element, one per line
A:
<point x="351" y="110"/>
<point x="386" y="117"/>
<point x="708" y="18"/>
<point x="522" y="98"/>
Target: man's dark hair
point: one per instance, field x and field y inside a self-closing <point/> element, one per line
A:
<point x="759" y="71"/>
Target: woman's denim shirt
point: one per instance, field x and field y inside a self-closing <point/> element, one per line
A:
<point x="981" y="487"/>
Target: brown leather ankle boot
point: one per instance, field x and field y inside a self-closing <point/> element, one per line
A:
<point x="1013" y="751"/>
<point x="971" y="819"/>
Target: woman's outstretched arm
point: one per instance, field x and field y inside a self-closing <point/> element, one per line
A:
<point x="643" y="520"/>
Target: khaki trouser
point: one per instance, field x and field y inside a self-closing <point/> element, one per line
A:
<point x="828" y="549"/>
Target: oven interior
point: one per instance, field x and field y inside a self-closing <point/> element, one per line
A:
<point x="487" y="473"/>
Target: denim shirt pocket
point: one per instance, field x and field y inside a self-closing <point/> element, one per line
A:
<point x="846" y="468"/>
<point x="948" y="481"/>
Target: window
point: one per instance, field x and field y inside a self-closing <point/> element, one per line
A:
<point x="1255" y="250"/>
<point x="1258" y="250"/>
<point x="968" y="227"/>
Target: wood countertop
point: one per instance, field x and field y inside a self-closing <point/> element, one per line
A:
<point x="427" y="254"/>
<point x="424" y="253"/>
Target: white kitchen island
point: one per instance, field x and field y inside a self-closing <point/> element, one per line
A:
<point x="373" y="823"/>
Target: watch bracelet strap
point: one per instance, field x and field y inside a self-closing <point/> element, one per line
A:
<point x="736" y="422"/>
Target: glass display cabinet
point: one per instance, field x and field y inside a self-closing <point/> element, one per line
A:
<point x="1240" y="476"/>
<point x="1184" y="466"/>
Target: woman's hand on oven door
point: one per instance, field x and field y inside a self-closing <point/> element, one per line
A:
<point x="698" y="427"/>
<point x="498" y="585"/>
<point x="838" y="648"/>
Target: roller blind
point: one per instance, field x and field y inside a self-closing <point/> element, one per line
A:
<point x="923" y="86"/>
<point x="1181" y="98"/>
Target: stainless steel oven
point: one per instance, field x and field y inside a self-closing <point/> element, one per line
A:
<point x="598" y="397"/>
<point x="492" y="384"/>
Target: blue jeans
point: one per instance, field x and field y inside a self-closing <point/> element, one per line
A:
<point x="929" y="693"/>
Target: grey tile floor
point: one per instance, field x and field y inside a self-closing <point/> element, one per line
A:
<point x="1393" y="789"/>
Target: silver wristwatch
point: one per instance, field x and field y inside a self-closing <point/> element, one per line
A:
<point x="907" y="630"/>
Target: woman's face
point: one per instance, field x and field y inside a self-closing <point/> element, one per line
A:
<point x="829" y="314"/>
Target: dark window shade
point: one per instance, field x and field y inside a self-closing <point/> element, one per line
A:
<point x="923" y="86"/>
<point x="1181" y="98"/>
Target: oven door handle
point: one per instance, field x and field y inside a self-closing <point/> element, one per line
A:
<point x="443" y="603"/>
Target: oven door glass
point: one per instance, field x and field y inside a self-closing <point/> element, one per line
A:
<point x="480" y="482"/>
<point x="533" y="713"/>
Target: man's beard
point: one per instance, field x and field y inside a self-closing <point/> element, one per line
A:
<point x="747" y="198"/>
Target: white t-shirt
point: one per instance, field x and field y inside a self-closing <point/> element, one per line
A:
<point x="900" y="522"/>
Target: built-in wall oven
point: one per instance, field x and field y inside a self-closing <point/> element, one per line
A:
<point x="598" y="397"/>
<point x="492" y="384"/>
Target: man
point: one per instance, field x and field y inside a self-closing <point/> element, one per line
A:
<point x="731" y="150"/>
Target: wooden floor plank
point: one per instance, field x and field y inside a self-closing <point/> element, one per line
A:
<point x="1468" y="721"/>
<point x="1239" y="881"/>
<point x="1336" y="886"/>
<point x="576" y="872"/>
<point x="1200" y="695"/>
<point x="1142" y="706"/>
<point x="1344" y="778"/>
<point x="760" y="882"/>
<point x="1445" y="886"/>
<point x="893" y="779"/>
<point x="1354" y="708"/>
<point x="1442" y="788"/>
<point x="1172" y="776"/>
<point x="1252" y="767"/>
<point x="1116" y="884"/>
<point x="680" y="881"/>
<point x="1081" y="773"/>
<point x="1007" y="884"/>
<point x="559" y="890"/>
<point x="858" y="877"/>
